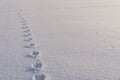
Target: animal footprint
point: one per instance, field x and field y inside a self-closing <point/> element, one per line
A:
<point x="25" y="27"/>
<point x="28" y="30"/>
<point x="24" y="24"/>
<point x="20" y="15"/>
<point x="28" y="39"/>
<point x="36" y="66"/>
<point x="39" y="77"/>
<point x="30" y="45"/>
<point x="23" y="21"/>
<point x="28" y="34"/>
<point x="22" y="18"/>
<point x="33" y="54"/>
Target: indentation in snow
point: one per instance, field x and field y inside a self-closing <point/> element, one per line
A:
<point x="30" y="45"/>
<point x="39" y="77"/>
<point x="33" y="54"/>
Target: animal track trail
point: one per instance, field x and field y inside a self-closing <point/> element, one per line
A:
<point x="35" y="67"/>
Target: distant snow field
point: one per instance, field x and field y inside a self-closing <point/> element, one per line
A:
<point x="60" y="40"/>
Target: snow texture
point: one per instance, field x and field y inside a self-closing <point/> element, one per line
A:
<point x="59" y="40"/>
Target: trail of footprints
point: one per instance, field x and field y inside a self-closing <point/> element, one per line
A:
<point x="35" y="67"/>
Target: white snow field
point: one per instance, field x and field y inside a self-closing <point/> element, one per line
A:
<point x="59" y="40"/>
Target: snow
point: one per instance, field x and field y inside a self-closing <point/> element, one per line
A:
<point x="72" y="40"/>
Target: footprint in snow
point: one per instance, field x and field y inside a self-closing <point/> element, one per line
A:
<point x="25" y="27"/>
<point x="20" y="15"/>
<point x="28" y="30"/>
<point x="39" y="77"/>
<point x="23" y="21"/>
<point x="22" y="18"/>
<point x="24" y="24"/>
<point x="28" y="34"/>
<point x="36" y="67"/>
<point x="20" y="10"/>
<point x="28" y="39"/>
<point x="30" y="45"/>
<point x="33" y="54"/>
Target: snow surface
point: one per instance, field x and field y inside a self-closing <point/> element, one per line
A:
<point x="60" y="40"/>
